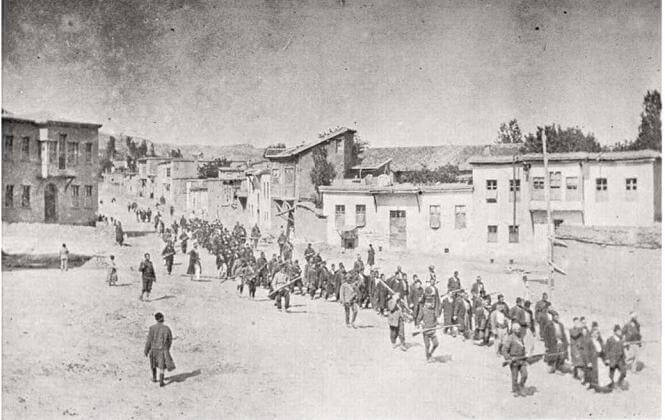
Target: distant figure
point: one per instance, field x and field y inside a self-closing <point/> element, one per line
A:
<point x="194" y="268"/>
<point x="168" y="253"/>
<point x="370" y="256"/>
<point x="64" y="258"/>
<point x="119" y="234"/>
<point x="158" y="349"/>
<point x="147" y="276"/>
<point x="113" y="272"/>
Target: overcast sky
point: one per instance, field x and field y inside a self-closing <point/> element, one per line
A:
<point x="409" y="72"/>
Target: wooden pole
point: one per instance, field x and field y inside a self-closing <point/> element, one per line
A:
<point x="550" y="247"/>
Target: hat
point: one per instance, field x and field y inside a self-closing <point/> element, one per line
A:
<point x="500" y="297"/>
<point x="431" y="267"/>
<point x="616" y="327"/>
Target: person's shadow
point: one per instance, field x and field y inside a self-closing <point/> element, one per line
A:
<point x="529" y="391"/>
<point x="442" y="359"/>
<point x="182" y="377"/>
<point x="163" y="298"/>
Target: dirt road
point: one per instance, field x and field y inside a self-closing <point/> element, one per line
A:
<point x="72" y="346"/>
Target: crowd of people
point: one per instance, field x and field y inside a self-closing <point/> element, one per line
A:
<point x="466" y="313"/>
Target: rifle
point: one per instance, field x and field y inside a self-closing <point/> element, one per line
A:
<point x="274" y="292"/>
<point x="452" y="291"/>
<point x="434" y="328"/>
<point x="527" y="358"/>
<point x="629" y="343"/>
<point x="400" y="302"/>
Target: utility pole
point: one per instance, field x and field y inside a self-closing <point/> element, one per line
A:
<point x="550" y="235"/>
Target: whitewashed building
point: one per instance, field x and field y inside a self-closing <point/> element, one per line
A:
<point x="430" y="218"/>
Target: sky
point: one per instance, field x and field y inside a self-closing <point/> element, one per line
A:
<point x="402" y="73"/>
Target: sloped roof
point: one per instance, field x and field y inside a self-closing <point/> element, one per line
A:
<point x="431" y="157"/>
<point x="45" y="117"/>
<point x="272" y="153"/>
<point x="571" y="156"/>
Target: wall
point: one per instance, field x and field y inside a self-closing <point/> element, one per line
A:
<point x="18" y="172"/>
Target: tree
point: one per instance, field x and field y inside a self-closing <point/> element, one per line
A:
<point x="509" y="133"/>
<point x="151" y="150"/>
<point x="442" y="174"/>
<point x="648" y="136"/>
<point x="131" y="164"/>
<point x="559" y="140"/>
<point x="323" y="173"/>
<point x="211" y="169"/>
<point x="175" y="153"/>
<point x="110" y="148"/>
<point x="131" y="146"/>
<point x="142" y="150"/>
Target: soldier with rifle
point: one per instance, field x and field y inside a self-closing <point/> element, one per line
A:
<point x="426" y="318"/>
<point x="514" y="352"/>
<point x="280" y="283"/>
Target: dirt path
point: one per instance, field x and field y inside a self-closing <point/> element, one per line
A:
<point x="72" y="346"/>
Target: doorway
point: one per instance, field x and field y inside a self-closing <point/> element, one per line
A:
<point x="50" y="203"/>
<point x="398" y="228"/>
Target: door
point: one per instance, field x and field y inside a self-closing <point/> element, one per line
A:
<point x="50" y="201"/>
<point x="397" y="228"/>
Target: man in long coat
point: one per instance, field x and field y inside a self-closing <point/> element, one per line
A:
<point x="158" y="349"/>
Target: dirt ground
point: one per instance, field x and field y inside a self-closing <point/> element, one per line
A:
<point x="73" y="346"/>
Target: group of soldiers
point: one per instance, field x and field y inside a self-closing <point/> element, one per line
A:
<point x="512" y="331"/>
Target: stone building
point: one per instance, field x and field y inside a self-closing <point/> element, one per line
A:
<point x="49" y="170"/>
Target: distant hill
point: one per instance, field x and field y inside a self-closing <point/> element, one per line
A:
<point x="231" y="152"/>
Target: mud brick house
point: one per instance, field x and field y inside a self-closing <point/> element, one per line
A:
<point x="290" y="170"/>
<point x="49" y="170"/>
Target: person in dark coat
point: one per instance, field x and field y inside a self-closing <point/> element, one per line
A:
<point x="147" y="276"/>
<point x="540" y="312"/>
<point x="633" y="337"/>
<point x="158" y="349"/>
<point x="168" y="253"/>
<point x="370" y="256"/>
<point x="415" y="299"/>
<point x="591" y="349"/>
<point x="556" y="343"/>
<point x="454" y="282"/>
<point x="615" y="356"/>
<point x="119" y="234"/>
<point x="514" y="351"/>
<point x="529" y="317"/>
<point x="460" y="314"/>
<point x="194" y="268"/>
<point x="447" y="309"/>
<point x="478" y="288"/>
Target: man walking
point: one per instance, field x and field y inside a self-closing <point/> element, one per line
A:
<point x="279" y="280"/>
<point x="427" y="319"/>
<point x="158" y="349"/>
<point x="147" y="276"/>
<point x="168" y="253"/>
<point x="64" y="258"/>
<point x="349" y="295"/>
<point x="514" y="352"/>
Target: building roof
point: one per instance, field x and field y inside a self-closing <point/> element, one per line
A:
<point x="404" y="188"/>
<point x="45" y="118"/>
<point x="571" y="156"/>
<point x="371" y="165"/>
<point x="416" y="158"/>
<point x="147" y="158"/>
<point x="294" y="151"/>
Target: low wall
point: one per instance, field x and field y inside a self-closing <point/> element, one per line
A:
<point x="637" y="237"/>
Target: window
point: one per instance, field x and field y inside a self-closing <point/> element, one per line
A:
<point x="52" y="152"/>
<point x="555" y="185"/>
<point x="360" y="214"/>
<point x="62" y="153"/>
<point x="75" y="195"/>
<point x="515" y="186"/>
<point x="168" y="172"/>
<point x="538" y="191"/>
<point x="572" y="192"/>
<point x="491" y="191"/>
<point x="338" y="143"/>
<point x="492" y="233"/>
<point x="87" y="196"/>
<point x="25" y="148"/>
<point x="8" y="148"/>
<point x="9" y="196"/>
<point x="339" y="216"/>
<point x="557" y="223"/>
<point x="631" y="189"/>
<point x="88" y="153"/>
<point x="513" y="234"/>
<point x="72" y="153"/>
<point x="460" y="217"/>
<point x="25" y="197"/>
<point x="435" y="217"/>
<point x="601" y="189"/>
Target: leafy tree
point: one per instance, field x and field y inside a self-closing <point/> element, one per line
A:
<point x="175" y="153"/>
<point x="442" y="174"/>
<point x="509" y="133"/>
<point x="151" y="150"/>
<point x="211" y="169"/>
<point x="142" y="150"/>
<point x="649" y="136"/>
<point x="131" y="164"/>
<point x="323" y="173"/>
<point x="559" y="140"/>
<point x="131" y="146"/>
<point x="110" y="148"/>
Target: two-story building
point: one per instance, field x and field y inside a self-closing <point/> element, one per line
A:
<point x="594" y="189"/>
<point x="435" y="218"/>
<point x="291" y="169"/>
<point x="147" y="169"/>
<point x="49" y="170"/>
<point x="258" y="196"/>
<point x="171" y="177"/>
